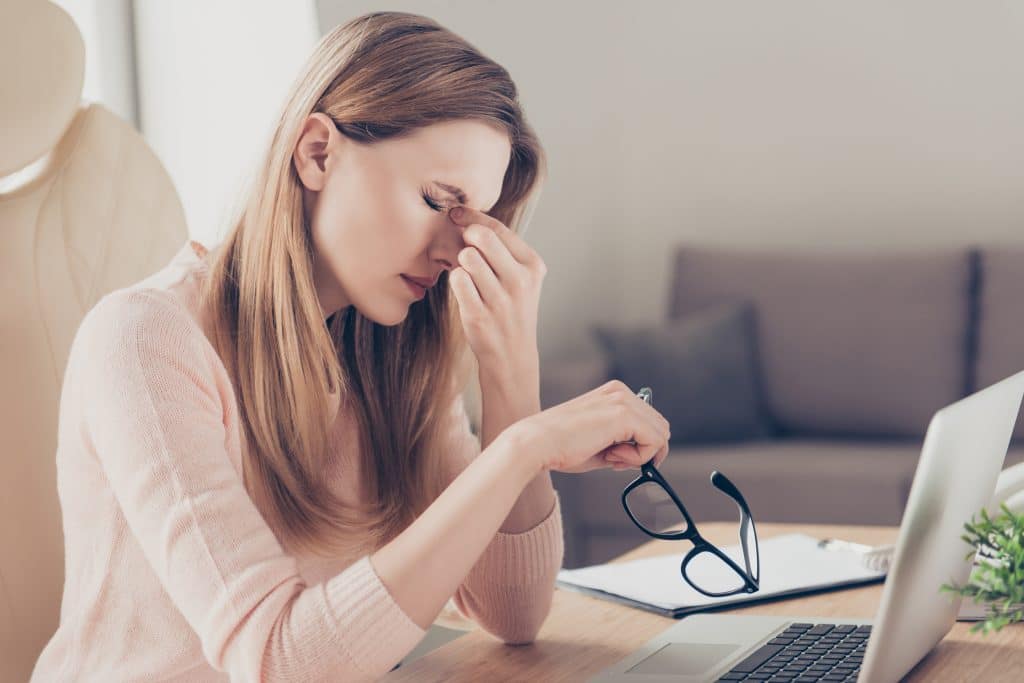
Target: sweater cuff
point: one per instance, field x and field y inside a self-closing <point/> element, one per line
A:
<point x="528" y="557"/>
<point x="371" y="624"/>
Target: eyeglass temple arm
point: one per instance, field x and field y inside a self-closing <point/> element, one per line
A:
<point x="722" y="483"/>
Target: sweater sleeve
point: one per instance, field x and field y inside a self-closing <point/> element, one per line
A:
<point x="509" y="590"/>
<point x="155" y="415"/>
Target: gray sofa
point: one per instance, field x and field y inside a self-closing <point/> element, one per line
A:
<point x="856" y="350"/>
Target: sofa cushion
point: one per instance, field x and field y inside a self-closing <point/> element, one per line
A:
<point x="701" y="368"/>
<point x="1001" y="319"/>
<point x="851" y="343"/>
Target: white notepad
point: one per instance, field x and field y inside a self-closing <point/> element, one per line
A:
<point x="791" y="564"/>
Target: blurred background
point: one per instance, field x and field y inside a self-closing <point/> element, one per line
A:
<point x="800" y="223"/>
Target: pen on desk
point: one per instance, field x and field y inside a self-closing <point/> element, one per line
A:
<point x="877" y="558"/>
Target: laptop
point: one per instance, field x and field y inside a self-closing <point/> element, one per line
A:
<point x="963" y="452"/>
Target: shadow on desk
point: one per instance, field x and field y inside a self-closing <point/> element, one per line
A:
<point x="436" y="637"/>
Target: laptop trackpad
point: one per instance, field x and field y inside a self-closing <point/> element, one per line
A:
<point x="684" y="658"/>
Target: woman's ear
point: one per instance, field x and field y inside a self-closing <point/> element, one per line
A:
<point x="318" y="142"/>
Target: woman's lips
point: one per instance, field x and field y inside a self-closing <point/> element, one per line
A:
<point x="417" y="289"/>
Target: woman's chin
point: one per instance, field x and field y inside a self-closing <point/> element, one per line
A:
<point x="396" y="320"/>
<point x="387" y="318"/>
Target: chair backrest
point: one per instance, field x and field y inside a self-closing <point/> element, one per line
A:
<point x="92" y="210"/>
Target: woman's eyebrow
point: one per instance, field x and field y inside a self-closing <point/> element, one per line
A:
<point x="453" y="190"/>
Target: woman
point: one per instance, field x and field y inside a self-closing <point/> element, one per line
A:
<point x="265" y="466"/>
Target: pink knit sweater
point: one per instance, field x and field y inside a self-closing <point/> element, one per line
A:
<point x="171" y="573"/>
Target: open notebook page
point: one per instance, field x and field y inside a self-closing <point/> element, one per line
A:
<point x="788" y="562"/>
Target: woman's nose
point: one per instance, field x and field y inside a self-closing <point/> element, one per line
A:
<point x="447" y="246"/>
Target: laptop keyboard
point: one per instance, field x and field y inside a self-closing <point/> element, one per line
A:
<point x="806" y="652"/>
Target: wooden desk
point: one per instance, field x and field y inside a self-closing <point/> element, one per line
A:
<point x="583" y="635"/>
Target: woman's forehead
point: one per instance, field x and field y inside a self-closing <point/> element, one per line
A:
<point x="469" y="155"/>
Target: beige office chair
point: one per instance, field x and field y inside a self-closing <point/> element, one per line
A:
<point x="94" y="211"/>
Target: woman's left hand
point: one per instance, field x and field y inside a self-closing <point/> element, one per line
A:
<point x="497" y="284"/>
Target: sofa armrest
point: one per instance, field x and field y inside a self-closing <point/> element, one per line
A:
<point x="566" y="377"/>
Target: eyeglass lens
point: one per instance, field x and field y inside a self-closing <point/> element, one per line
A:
<point x="748" y="538"/>
<point x="652" y="506"/>
<point x="709" y="571"/>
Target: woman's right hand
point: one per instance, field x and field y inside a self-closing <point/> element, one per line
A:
<point x="609" y="426"/>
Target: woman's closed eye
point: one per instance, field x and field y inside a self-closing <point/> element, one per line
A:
<point x="432" y="202"/>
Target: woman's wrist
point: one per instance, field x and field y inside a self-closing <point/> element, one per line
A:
<point x="519" y="385"/>
<point x="506" y="398"/>
<point x="515" y="448"/>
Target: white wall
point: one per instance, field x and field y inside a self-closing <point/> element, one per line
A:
<point x="784" y="123"/>
<point x="212" y="78"/>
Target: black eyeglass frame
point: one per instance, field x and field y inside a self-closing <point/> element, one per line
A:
<point x="649" y="473"/>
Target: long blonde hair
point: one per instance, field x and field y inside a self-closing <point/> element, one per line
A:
<point x="379" y="76"/>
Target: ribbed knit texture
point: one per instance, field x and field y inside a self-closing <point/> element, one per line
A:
<point x="172" y="574"/>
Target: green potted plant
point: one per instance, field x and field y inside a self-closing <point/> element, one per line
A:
<point x="997" y="581"/>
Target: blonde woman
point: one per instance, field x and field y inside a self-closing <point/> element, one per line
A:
<point x="265" y="465"/>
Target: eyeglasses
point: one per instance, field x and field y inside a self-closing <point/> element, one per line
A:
<point x="707" y="568"/>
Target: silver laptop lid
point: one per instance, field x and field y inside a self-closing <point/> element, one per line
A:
<point x="962" y="455"/>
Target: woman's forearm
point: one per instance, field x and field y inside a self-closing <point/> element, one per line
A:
<point x="425" y="564"/>
<point x="507" y="398"/>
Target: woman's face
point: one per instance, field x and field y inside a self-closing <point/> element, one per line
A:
<point x="378" y="212"/>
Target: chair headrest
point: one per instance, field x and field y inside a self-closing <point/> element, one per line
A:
<point x="42" y="68"/>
